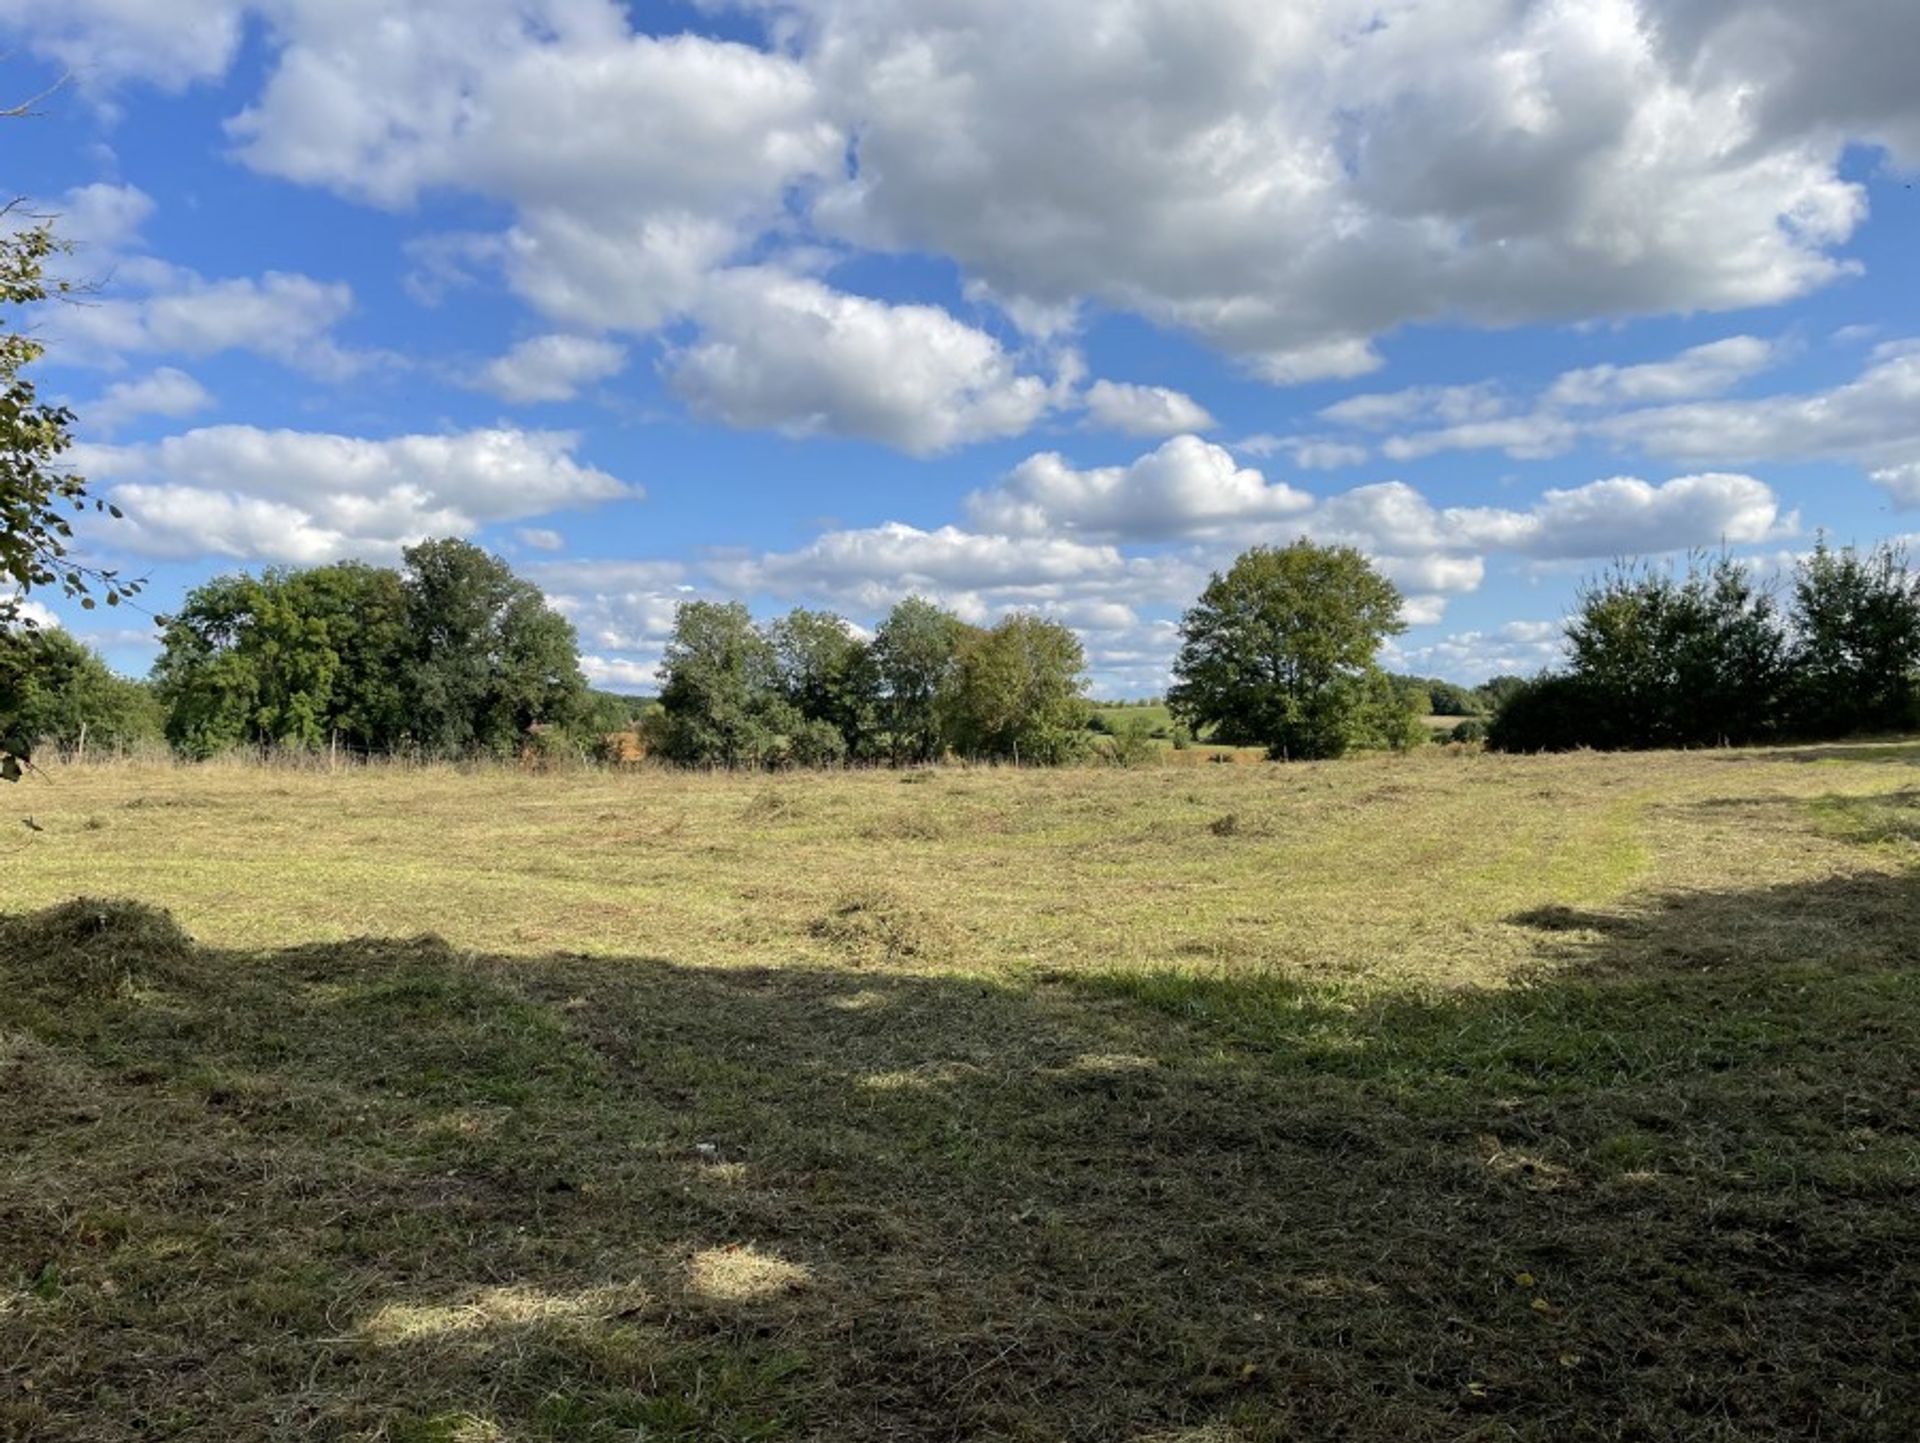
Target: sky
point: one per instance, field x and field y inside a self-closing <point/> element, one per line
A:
<point x="1039" y="305"/>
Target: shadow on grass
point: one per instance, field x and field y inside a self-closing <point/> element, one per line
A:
<point x="385" y="1191"/>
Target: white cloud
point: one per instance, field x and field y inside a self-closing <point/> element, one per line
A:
<point x="1621" y="516"/>
<point x="101" y="219"/>
<point x="175" y="311"/>
<point x="1288" y="182"/>
<point x="1901" y="482"/>
<point x="1186" y="488"/>
<point x="165" y="392"/>
<point x="1528" y="438"/>
<point x="1145" y="410"/>
<point x="551" y="368"/>
<point x="1873" y="420"/>
<point x="1447" y="405"/>
<point x="635" y="165"/>
<point x="170" y="43"/>
<point x="1519" y="648"/>
<point x="1309" y="453"/>
<point x="788" y="353"/>
<point x="622" y="673"/>
<point x="305" y="497"/>
<point x="540" y="538"/>
<point x="901" y="559"/>
<point x="1702" y="371"/>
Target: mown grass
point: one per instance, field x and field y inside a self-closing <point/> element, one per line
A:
<point x="1435" y="1098"/>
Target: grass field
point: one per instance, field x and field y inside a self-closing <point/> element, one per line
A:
<point x="1440" y="1097"/>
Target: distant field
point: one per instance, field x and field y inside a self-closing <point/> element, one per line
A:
<point x="1447" y="1097"/>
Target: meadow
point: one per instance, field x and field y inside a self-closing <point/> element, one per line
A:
<point x="1445" y="1096"/>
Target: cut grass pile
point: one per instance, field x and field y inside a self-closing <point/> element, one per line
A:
<point x="1443" y="1098"/>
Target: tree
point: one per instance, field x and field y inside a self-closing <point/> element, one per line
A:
<point x="54" y="691"/>
<point x="721" y="688"/>
<point x="1279" y="652"/>
<point x="916" y="654"/>
<point x="1552" y="713"/>
<point x="290" y="658"/>
<point x="459" y="656"/>
<point x="35" y="491"/>
<point x="1495" y="692"/>
<point x="1018" y="694"/>
<point x="1856" y="641"/>
<point x="1678" y="661"/>
<point x="491" y="662"/>
<point x="828" y="676"/>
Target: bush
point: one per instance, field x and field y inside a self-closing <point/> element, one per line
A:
<point x="1131" y="744"/>
<point x="1552" y="713"/>
<point x="1474" y="729"/>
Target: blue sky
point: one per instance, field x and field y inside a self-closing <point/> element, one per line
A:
<point x="1035" y="305"/>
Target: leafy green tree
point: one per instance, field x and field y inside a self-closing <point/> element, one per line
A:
<point x="1279" y="652"/>
<point x="1856" y="641"/>
<point x="721" y="689"/>
<point x="1018" y="694"/>
<point x="298" y="659"/>
<point x="1552" y="713"/>
<point x="491" y="662"/>
<point x="1494" y="693"/>
<point x="55" y="691"/>
<point x="1678" y="661"/>
<point x="37" y="493"/>
<point x="916" y="653"/>
<point x="828" y="676"/>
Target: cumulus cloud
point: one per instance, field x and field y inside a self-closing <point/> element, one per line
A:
<point x="901" y="559"/>
<point x="156" y="308"/>
<point x="1144" y="410"/>
<point x="165" y="392"/>
<point x="1702" y="371"/>
<point x="540" y="538"/>
<point x="1873" y="420"/>
<point x="551" y="368"/>
<point x="1288" y="183"/>
<point x="305" y="497"/>
<point x="101" y="219"/>
<point x="1186" y="488"/>
<point x="790" y="354"/>
<point x="1901" y="482"/>
<point x="1447" y="405"/>
<point x="169" y="43"/>
<point x="1621" y="516"/>
<point x="1519" y="648"/>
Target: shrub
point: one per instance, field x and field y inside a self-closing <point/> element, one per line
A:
<point x="1552" y="713"/>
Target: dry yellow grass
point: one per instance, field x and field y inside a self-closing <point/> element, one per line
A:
<point x="1397" y="868"/>
<point x="1430" y="1098"/>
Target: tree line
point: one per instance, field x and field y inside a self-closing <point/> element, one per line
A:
<point x="808" y="689"/>
<point x="453" y="656"/>
<point x="1709" y="656"/>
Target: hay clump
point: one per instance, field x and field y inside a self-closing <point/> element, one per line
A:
<point x="877" y="921"/>
<point x="92" y="947"/>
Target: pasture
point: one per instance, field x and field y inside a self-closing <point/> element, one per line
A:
<point x="1448" y="1096"/>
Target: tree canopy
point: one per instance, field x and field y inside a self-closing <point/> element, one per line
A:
<point x="454" y="656"/>
<point x="1281" y="649"/>
<point x="38" y="494"/>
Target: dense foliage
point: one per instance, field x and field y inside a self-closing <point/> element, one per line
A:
<point x="808" y="690"/>
<point x="36" y="492"/>
<point x="1708" y="658"/>
<point x="451" y="657"/>
<point x="56" y="692"/>
<point x="1280" y="652"/>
